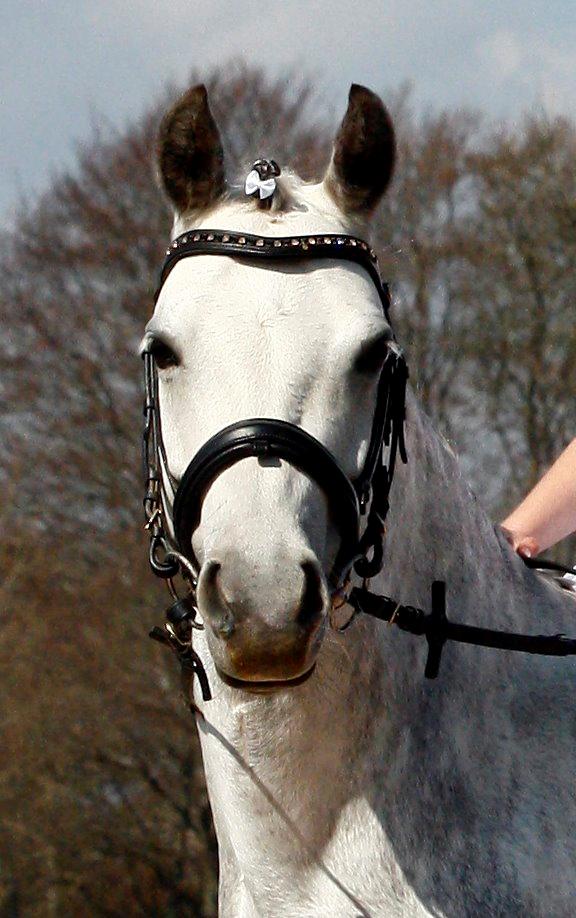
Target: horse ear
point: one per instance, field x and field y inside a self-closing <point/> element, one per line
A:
<point x="364" y="153"/>
<point x="190" y="155"/>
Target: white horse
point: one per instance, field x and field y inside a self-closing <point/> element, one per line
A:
<point x="364" y="789"/>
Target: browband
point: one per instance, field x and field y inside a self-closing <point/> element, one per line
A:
<point x="321" y="245"/>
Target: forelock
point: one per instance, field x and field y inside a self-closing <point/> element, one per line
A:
<point x="295" y="202"/>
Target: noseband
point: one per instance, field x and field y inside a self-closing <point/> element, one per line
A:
<point x="179" y="503"/>
<point x="269" y="439"/>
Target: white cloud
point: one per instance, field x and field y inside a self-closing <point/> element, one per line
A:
<point x="502" y="54"/>
<point x="556" y="80"/>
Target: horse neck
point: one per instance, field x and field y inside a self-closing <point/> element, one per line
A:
<point x="438" y="530"/>
<point x="295" y="762"/>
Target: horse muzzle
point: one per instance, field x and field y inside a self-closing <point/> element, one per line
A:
<point x="264" y="623"/>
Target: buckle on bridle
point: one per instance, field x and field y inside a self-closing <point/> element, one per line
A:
<point x="177" y="635"/>
<point x="164" y="567"/>
<point x="364" y="499"/>
<point x="341" y="598"/>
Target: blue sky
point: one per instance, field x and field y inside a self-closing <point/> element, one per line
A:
<point x="63" y="63"/>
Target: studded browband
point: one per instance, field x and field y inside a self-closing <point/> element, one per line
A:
<point x="325" y="245"/>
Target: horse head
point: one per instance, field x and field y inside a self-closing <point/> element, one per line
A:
<point x="301" y="341"/>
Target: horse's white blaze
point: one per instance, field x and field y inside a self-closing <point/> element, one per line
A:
<point x="366" y="790"/>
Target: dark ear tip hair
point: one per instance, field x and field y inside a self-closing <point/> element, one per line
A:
<point x="364" y="152"/>
<point x="356" y="89"/>
<point x="359" y="93"/>
<point x="189" y="152"/>
<point x="196" y="96"/>
<point x="199" y="91"/>
<point x="194" y="99"/>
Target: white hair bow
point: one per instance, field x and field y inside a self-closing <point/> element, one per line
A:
<point x="265" y="187"/>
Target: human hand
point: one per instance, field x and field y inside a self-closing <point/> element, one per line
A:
<point x="523" y="545"/>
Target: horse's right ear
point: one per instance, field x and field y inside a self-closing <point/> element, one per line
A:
<point x="190" y="155"/>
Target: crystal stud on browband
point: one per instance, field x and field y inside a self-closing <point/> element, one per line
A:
<point x="261" y="180"/>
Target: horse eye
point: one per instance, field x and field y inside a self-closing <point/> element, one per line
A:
<point x="372" y="354"/>
<point x="163" y="355"/>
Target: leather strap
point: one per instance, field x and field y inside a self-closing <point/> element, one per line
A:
<point x="438" y="629"/>
<point x="543" y="564"/>
<point x="264" y="438"/>
<point x="290" y="248"/>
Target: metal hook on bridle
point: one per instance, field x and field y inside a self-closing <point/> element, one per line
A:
<point x="185" y="567"/>
<point x="164" y="567"/>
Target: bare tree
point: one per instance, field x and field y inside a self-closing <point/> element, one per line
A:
<point x="419" y="226"/>
<point x="106" y="810"/>
<point x="520" y="281"/>
<point x="103" y="806"/>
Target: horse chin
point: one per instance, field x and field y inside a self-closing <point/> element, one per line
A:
<point x="265" y="686"/>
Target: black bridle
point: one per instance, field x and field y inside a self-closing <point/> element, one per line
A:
<point x="179" y="503"/>
<point x="348" y="500"/>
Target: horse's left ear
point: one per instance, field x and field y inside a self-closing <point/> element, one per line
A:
<point x="364" y="153"/>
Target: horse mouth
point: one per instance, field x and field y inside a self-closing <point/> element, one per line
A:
<point x="265" y="686"/>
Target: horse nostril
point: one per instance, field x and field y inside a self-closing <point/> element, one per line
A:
<point x="214" y="603"/>
<point x="224" y="626"/>
<point x="312" y="602"/>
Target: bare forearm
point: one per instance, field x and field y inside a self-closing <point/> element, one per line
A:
<point x="548" y="513"/>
